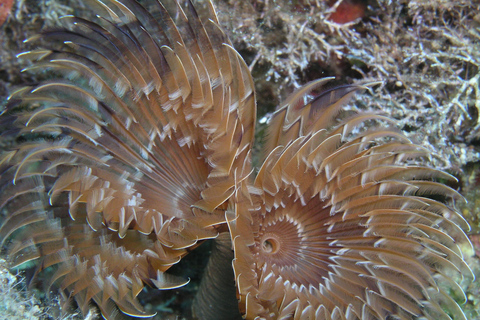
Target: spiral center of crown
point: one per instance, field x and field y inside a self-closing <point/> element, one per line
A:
<point x="280" y="242"/>
<point x="270" y="245"/>
<point x="294" y="245"/>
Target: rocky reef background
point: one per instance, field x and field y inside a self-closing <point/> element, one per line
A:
<point x="425" y="53"/>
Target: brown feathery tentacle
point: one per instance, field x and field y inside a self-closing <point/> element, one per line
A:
<point x="342" y="223"/>
<point x="134" y="149"/>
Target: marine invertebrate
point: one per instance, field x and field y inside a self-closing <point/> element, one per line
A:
<point x="341" y="224"/>
<point x="134" y="153"/>
<point x="140" y="149"/>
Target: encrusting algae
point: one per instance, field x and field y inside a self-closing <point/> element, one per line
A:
<point x="140" y="148"/>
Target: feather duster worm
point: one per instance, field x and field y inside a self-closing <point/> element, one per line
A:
<point x="341" y="223"/>
<point x="139" y="150"/>
<point x="134" y="149"/>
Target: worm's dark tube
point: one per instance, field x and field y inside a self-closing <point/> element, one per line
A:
<point x="216" y="297"/>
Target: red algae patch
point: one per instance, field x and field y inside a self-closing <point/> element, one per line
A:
<point x="5" y="7"/>
<point x="348" y="11"/>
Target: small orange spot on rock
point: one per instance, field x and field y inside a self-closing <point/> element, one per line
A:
<point x="348" y="11"/>
<point x="5" y="7"/>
